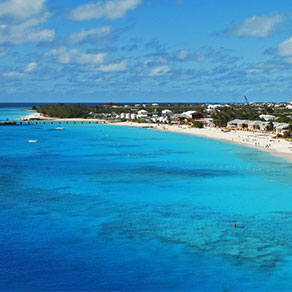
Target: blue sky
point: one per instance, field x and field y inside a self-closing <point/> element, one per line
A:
<point x="145" y="50"/>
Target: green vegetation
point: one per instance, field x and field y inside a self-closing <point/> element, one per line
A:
<point x="270" y="126"/>
<point x="197" y="124"/>
<point x="284" y="119"/>
<point x="222" y="115"/>
<point x="64" y="111"/>
<point x="287" y="134"/>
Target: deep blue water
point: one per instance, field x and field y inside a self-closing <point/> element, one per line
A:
<point x="107" y="208"/>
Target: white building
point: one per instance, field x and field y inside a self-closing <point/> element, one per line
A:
<point x="123" y="115"/>
<point x="166" y="112"/>
<point x="142" y="112"/>
<point x="133" y="116"/>
<point x="267" y="117"/>
<point x="127" y="116"/>
<point x="191" y="115"/>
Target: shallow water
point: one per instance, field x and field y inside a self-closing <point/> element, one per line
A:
<point x="99" y="207"/>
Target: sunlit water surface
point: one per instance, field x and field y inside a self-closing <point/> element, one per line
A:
<point x="99" y="207"/>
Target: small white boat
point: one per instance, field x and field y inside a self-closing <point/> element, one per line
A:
<point x="32" y="141"/>
<point x="59" y="128"/>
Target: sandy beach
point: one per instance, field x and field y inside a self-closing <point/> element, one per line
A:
<point x="258" y="140"/>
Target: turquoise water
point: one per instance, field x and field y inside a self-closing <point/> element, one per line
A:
<point x="99" y="207"/>
<point x="13" y="113"/>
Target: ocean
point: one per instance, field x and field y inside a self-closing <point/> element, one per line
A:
<point x="109" y="208"/>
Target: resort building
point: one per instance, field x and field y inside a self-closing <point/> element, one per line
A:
<point x="191" y="115"/>
<point x="166" y="112"/>
<point x="267" y="117"/>
<point x="279" y="128"/>
<point x="142" y="114"/>
<point x="239" y="124"/>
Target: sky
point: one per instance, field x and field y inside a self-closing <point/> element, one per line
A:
<point x="145" y="50"/>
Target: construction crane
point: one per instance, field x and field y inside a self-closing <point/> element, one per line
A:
<point x="246" y="99"/>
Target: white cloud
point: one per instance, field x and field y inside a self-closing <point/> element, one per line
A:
<point x="21" y="20"/>
<point x="3" y="52"/>
<point x="13" y="75"/>
<point x="285" y="48"/>
<point x="115" y="67"/>
<point x="159" y="71"/>
<point x="254" y="70"/>
<point x="21" y="9"/>
<point x="64" y="56"/>
<point x="92" y="35"/>
<point x="90" y="58"/>
<point x="31" y="67"/>
<point x="110" y="9"/>
<point x="256" y="26"/>
<point x="182" y="54"/>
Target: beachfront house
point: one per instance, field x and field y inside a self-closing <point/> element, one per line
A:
<point x="267" y="117"/>
<point x="257" y="125"/>
<point x="207" y="122"/>
<point x="238" y="124"/>
<point x="281" y="127"/>
<point x="142" y="114"/>
<point x="191" y="115"/>
<point x="166" y="112"/>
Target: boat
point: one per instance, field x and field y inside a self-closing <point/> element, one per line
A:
<point x="59" y="128"/>
<point x="32" y="141"/>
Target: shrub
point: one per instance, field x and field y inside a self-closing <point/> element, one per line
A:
<point x="197" y="124"/>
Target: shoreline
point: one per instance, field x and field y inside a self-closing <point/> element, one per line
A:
<point x="256" y="140"/>
<point x="279" y="147"/>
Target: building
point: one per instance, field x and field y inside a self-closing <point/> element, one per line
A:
<point x="267" y="117"/>
<point x="191" y="115"/>
<point x="281" y="127"/>
<point x="142" y="114"/>
<point x="166" y="112"/>
<point x="207" y="122"/>
<point x="238" y="124"/>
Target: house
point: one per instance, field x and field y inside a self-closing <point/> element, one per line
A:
<point x="256" y="125"/>
<point x="281" y="127"/>
<point x="166" y="112"/>
<point x="142" y="114"/>
<point x="133" y="116"/>
<point x="207" y="122"/>
<point x="237" y="124"/>
<point x="267" y="117"/>
<point x="191" y="115"/>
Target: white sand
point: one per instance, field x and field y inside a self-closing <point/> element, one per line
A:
<point x="261" y="141"/>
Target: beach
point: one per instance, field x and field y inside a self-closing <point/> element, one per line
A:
<point x="263" y="141"/>
<point x="155" y="207"/>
